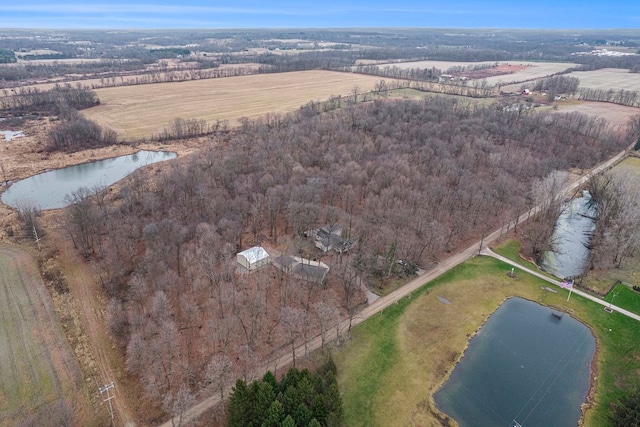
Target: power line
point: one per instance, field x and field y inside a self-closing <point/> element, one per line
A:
<point x="110" y="396"/>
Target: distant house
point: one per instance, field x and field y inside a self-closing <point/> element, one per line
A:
<point x="330" y="237"/>
<point x="253" y="258"/>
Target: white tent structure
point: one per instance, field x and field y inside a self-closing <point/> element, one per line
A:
<point x="253" y="258"/>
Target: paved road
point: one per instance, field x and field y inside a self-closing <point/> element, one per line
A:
<point x="383" y="302"/>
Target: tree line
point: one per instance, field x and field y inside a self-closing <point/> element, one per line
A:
<point x="60" y="100"/>
<point x="630" y="98"/>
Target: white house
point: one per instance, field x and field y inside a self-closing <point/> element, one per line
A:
<point x="253" y="258"/>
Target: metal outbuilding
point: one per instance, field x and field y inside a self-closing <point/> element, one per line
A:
<point x="253" y="258"/>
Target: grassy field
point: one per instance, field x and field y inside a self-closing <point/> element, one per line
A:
<point x="397" y="359"/>
<point x="625" y="297"/>
<point x="136" y="112"/>
<point x="39" y="376"/>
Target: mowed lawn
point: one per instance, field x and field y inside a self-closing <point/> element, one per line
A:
<point x="136" y="112"/>
<point x="396" y="360"/>
<point x="38" y="370"/>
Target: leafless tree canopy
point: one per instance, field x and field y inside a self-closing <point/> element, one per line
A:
<point x="407" y="180"/>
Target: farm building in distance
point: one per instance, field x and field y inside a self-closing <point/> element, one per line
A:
<point x="253" y="258"/>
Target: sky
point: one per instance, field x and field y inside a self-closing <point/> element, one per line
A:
<point x="130" y="14"/>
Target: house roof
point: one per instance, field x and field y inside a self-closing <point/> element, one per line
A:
<point x="286" y="261"/>
<point x="254" y="254"/>
<point x="315" y="273"/>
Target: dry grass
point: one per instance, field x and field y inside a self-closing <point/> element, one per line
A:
<point x="141" y="111"/>
<point x="427" y="339"/>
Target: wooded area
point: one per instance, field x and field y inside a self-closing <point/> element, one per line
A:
<point x="407" y="180"/>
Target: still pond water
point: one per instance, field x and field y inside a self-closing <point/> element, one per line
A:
<point x="571" y="236"/>
<point x="49" y="189"/>
<point x="525" y="365"/>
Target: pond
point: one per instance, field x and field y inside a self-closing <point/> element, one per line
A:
<point x="526" y="366"/>
<point x="49" y="189"/>
<point x="571" y="236"/>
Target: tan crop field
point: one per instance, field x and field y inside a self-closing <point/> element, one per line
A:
<point x="136" y="112"/>
<point x="605" y="79"/>
<point x="616" y="115"/>
<point x="608" y="78"/>
<point x="39" y="375"/>
<point x="534" y="70"/>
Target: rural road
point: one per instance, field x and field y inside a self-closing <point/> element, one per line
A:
<point x="383" y="302"/>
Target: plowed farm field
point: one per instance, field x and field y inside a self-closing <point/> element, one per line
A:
<point x="136" y="112"/>
<point x="39" y="375"/>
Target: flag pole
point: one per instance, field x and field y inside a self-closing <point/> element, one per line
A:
<point x="570" y="289"/>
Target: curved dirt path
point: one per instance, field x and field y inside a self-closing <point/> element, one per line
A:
<point x="97" y="348"/>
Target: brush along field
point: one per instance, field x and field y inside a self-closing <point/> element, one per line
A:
<point x="136" y="112"/>
<point x="396" y="360"/>
<point x="39" y="375"/>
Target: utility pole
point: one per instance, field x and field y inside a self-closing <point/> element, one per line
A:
<point x="35" y="236"/>
<point x="110" y="396"/>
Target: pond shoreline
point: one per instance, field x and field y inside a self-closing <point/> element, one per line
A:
<point x="447" y="420"/>
<point x="51" y="189"/>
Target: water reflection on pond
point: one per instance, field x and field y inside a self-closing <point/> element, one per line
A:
<point x="571" y="238"/>
<point x="525" y="365"/>
<point x="49" y="189"/>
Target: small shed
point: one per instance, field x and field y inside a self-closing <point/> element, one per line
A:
<point x="253" y="258"/>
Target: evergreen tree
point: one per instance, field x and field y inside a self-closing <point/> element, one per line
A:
<point x="264" y="397"/>
<point x="291" y="399"/>
<point x="288" y="422"/>
<point x="626" y="411"/>
<point x="290" y="379"/>
<point x="300" y="399"/>
<point x="319" y="409"/>
<point x="240" y="405"/>
<point x="275" y="415"/>
<point x="305" y="390"/>
<point x="302" y="415"/>
<point x="270" y="379"/>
